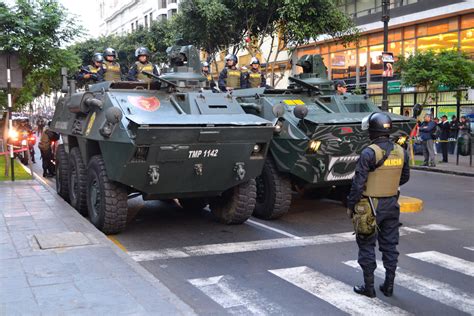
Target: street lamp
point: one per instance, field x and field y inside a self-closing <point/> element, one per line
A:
<point x="385" y="19"/>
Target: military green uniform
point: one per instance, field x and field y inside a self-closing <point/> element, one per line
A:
<point x="112" y="71"/>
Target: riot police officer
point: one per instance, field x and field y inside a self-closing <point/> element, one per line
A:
<point x="142" y="54"/>
<point x="93" y="72"/>
<point x="112" y="69"/>
<point x="255" y="77"/>
<point x="231" y="77"/>
<point x="205" y="70"/>
<point x="341" y="87"/>
<point x="373" y="198"/>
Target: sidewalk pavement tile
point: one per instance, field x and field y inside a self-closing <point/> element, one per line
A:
<point x="25" y="307"/>
<point x="15" y="295"/>
<point x="7" y="251"/>
<point x="113" y="303"/>
<point x="10" y="267"/>
<point x="54" y="290"/>
<point x="108" y="285"/>
<point x="18" y="280"/>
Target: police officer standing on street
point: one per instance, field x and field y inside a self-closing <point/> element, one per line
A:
<point x="373" y="198"/>
<point x="255" y="77"/>
<point x="112" y="69"/>
<point x="231" y="77"/>
<point x="205" y="70"/>
<point x="93" y="72"/>
<point x="142" y="54"/>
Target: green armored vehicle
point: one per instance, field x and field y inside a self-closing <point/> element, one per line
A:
<point x="163" y="140"/>
<point x="318" y="137"/>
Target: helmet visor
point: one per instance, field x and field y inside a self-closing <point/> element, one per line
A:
<point x="365" y="123"/>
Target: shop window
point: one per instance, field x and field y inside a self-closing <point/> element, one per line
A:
<point x="363" y="41"/>
<point x="447" y="97"/>
<point x="467" y="42"/>
<point x="365" y="7"/>
<point x="363" y="62"/>
<point x="467" y="21"/>
<point x="394" y="109"/>
<point x="336" y="47"/>
<point x="350" y="7"/>
<point x="324" y="49"/>
<point x="377" y="99"/>
<point x="394" y="100"/>
<point x="453" y="24"/>
<point x="408" y="32"/>
<point x="438" y="42"/>
<point x="376" y="38"/>
<point x="435" y="27"/>
<point x="395" y="35"/>
<point x="409" y="99"/>
<point x="326" y="60"/>
<point x="395" y="48"/>
<point x="409" y="47"/>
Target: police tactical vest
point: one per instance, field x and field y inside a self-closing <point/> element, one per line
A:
<point x="44" y="143"/>
<point x="255" y="79"/>
<point x="385" y="180"/>
<point x="112" y="71"/>
<point x="93" y="69"/>
<point x="233" y="78"/>
<point x="144" y="67"/>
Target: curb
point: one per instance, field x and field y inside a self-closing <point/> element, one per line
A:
<point x="433" y="169"/>
<point x="162" y="289"/>
<point x="410" y="204"/>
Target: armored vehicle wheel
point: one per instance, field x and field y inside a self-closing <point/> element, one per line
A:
<point x="235" y="205"/>
<point x="77" y="181"/>
<point x="193" y="204"/>
<point x="106" y="199"/>
<point x="273" y="192"/>
<point x="62" y="179"/>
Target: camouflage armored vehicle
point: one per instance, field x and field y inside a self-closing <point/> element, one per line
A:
<point x="318" y="137"/>
<point x="163" y="140"/>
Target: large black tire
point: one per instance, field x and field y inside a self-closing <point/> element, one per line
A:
<point x="62" y="170"/>
<point x="273" y="192"/>
<point x="235" y="205"/>
<point x="77" y="181"/>
<point x="106" y="199"/>
<point x="23" y="156"/>
<point x="193" y="204"/>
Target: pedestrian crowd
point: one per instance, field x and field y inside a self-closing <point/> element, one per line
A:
<point x="440" y="136"/>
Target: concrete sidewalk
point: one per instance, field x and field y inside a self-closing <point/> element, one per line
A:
<point x="53" y="261"/>
<point x="463" y="169"/>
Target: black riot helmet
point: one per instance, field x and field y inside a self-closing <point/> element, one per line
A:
<point x="378" y="124"/>
<point x="109" y="51"/>
<point x="98" y="58"/>
<point x="142" y="51"/>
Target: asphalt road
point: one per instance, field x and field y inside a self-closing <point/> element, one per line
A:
<point x="303" y="263"/>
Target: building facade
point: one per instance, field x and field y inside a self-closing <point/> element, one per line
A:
<point x="123" y="16"/>
<point x="414" y="25"/>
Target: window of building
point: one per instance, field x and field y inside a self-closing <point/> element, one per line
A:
<point x="350" y="7"/>
<point x="376" y="64"/>
<point x="467" y="21"/>
<point x="172" y="1"/>
<point x="365" y="7"/>
<point x="409" y="47"/>
<point x="136" y="24"/>
<point x="437" y="42"/>
<point x="132" y="26"/>
<point x="151" y="17"/>
<point x="172" y="12"/>
<point x="395" y="35"/>
<point x="409" y="99"/>
<point x="146" y="21"/>
<point x="162" y="4"/>
<point x="467" y="42"/>
<point x="162" y="17"/>
<point x="376" y="38"/>
<point x="408" y="32"/>
<point x="324" y="49"/>
<point x="437" y="27"/>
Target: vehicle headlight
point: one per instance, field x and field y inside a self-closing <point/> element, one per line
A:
<point x="23" y="142"/>
<point x="12" y="133"/>
<point x="256" y="148"/>
<point x="314" y="145"/>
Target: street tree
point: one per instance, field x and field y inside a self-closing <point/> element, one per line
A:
<point x="430" y="70"/>
<point x="37" y="30"/>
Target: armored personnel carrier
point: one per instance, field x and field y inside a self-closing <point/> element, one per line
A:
<point x="318" y="137"/>
<point x="165" y="139"/>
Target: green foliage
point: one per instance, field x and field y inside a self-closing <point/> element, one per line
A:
<point x="37" y="30"/>
<point x="429" y="70"/>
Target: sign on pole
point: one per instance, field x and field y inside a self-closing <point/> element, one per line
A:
<point x="387" y="59"/>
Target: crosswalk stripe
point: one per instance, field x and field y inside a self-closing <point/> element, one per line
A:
<point x="433" y="289"/>
<point x="445" y="261"/>
<point x="225" y="291"/>
<point x="469" y="248"/>
<point x="266" y="244"/>
<point x="336" y="292"/>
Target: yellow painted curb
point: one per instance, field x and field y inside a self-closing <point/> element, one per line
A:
<point x="115" y="241"/>
<point x="410" y="204"/>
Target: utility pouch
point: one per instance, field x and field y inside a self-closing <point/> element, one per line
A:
<point x="364" y="220"/>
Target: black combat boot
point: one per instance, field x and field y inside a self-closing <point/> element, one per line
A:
<point x="368" y="288"/>
<point x="387" y="286"/>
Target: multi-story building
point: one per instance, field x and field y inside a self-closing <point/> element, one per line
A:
<point x="122" y="16"/>
<point x="414" y="25"/>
